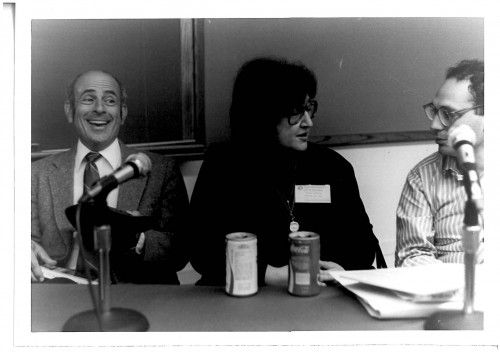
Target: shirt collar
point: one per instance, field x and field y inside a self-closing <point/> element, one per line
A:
<point x="450" y="166"/>
<point x="112" y="153"/>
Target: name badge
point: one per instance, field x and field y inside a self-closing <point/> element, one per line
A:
<point x="312" y="194"/>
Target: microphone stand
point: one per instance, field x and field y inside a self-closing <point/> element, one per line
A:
<point x="105" y="318"/>
<point x="467" y="318"/>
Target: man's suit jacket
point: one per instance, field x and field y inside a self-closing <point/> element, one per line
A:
<point x="161" y="194"/>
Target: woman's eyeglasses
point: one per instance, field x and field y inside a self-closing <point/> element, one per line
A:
<point x="298" y="114"/>
<point x="446" y="117"/>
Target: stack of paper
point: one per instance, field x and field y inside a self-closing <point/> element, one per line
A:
<point x="413" y="292"/>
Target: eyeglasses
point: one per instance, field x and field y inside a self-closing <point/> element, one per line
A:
<point x="298" y="114"/>
<point x="446" y="117"/>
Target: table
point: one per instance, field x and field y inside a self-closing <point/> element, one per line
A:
<point x="209" y="308"/>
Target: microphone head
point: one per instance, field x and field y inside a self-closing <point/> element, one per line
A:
<point x="141" y="162"/>
<point x="462" y="134"/>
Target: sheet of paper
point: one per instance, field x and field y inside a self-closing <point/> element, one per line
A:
<point x="61" y="272"/>
<point x="424" y="280"/>
<point x="383" y="303"/>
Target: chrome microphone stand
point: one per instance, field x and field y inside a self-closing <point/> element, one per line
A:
<point x="105" y="318"/>
<point x="470" y="241"/>
<point x="467" y="318"/>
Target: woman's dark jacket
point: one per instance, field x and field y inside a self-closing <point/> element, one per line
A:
<point x="238" y="190"/>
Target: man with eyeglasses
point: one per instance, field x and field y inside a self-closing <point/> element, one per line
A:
<point x="430" y="213"/>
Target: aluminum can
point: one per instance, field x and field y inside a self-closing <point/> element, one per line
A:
<point x="241" y="264"/>
<point x="303" y="269"/>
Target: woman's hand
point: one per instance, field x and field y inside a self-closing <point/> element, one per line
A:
<point x="324" y="266"/>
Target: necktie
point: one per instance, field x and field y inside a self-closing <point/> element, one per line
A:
<point x="91" y="173"/>
<point x="90" y="176"/>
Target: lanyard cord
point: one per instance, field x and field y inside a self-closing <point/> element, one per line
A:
<point x="294" y="226"/>
<point x="286" y="201"/>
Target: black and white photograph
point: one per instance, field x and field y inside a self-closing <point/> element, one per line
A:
<point x="251" y="176"/>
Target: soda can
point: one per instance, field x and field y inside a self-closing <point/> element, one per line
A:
<point x="241" y="264"/>
<point x="303" y="269"/>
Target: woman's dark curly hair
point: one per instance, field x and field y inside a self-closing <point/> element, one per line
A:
<point x="265" y="90"/>
<point x="472" y="70"/>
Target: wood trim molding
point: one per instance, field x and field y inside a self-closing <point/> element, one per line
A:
<point x="192" y="150"/>
<point x="372" y="138"/>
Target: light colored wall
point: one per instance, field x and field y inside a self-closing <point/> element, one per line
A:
<point x="380" y="171"/>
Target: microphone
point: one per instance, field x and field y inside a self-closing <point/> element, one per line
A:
<point x="463" y="139"/>
<point x="136" y="165"/>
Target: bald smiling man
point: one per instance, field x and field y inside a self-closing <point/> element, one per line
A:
<point x="96" y="107"/>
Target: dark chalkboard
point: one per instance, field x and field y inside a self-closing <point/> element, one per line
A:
<point x="374" y="73"/>
<point x="145" y="54"/>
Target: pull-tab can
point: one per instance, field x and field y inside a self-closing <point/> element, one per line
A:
<point x="303" y="269"/>
<point x="241" y="264"/>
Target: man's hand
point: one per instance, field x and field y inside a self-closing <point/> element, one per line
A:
<point x="142" y="237"/>
<point x="324" y="266"/>
<point x="39" y="257"/>
<point x="140" y="243"/>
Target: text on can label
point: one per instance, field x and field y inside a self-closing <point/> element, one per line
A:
<point x="299" y="249"/>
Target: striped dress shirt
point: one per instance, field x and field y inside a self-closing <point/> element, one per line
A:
<point x="430" y="214"/>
